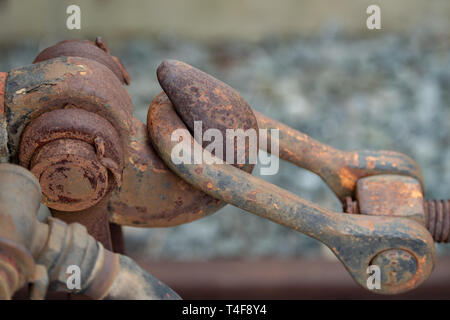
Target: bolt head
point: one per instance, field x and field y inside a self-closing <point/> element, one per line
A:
<point x="70" y="174"/>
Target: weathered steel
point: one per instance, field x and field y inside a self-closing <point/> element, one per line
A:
<point x="96" y="51"/>
<point x="391" y="195"/>
<point x="339" y="169"/>
<point x="72" y="124"/>
<point x="65" y="82"/>
<point x="355" y="239"/>
<point x="151" y="194"/>
<point x="95" y="218"/>
<point x="197" y="96"/>
<point x="71" y="176"/>
<point x="401" y="196"/>
<point x="72" y="152"/>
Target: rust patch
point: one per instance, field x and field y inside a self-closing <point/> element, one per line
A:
<point x="197" y="96"/>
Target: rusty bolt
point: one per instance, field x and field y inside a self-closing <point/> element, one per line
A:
<point x="75" y="154"/>
<point x="396" y="267"/>
<point x="70" y="174"/>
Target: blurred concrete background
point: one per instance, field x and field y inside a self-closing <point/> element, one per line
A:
<point x="311" y="64"/>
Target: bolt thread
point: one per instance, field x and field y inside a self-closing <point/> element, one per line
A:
<point x="350" y="206"/>
<point x="437" y="219"/>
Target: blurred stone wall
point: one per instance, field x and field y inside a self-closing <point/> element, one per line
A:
<point x="301" y="62"/>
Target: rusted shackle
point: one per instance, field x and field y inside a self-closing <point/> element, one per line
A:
<point x="368" y="236"/>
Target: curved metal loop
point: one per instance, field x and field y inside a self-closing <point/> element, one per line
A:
<point x="355" y="239"/>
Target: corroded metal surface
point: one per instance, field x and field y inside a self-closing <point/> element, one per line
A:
<point x="71" y="152"/>
<point x="345" y="235"/>
<point x="339" y="169"/>
<point x="197" y="96"/>
<point x="397" y="267"/>
<point x="391" y="195"/>
<point x="151" y="194"/>
<point x="97" y="51"/>
<point x="95" y="218"/>
<point x="70" y="175"/>
<point x="65" y="82"/>
<point x="72" y="124"/>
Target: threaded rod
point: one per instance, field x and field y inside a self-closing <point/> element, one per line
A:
<point x="437" y="219"/>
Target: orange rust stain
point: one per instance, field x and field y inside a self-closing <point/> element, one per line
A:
<point x="416" y="194"/>
<point x="301" y="138"/>
<point x="371" y="161"/>
<point x="348" y="178"/>
<point x="140" y="166"/>
<point x="251" y="195"/>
